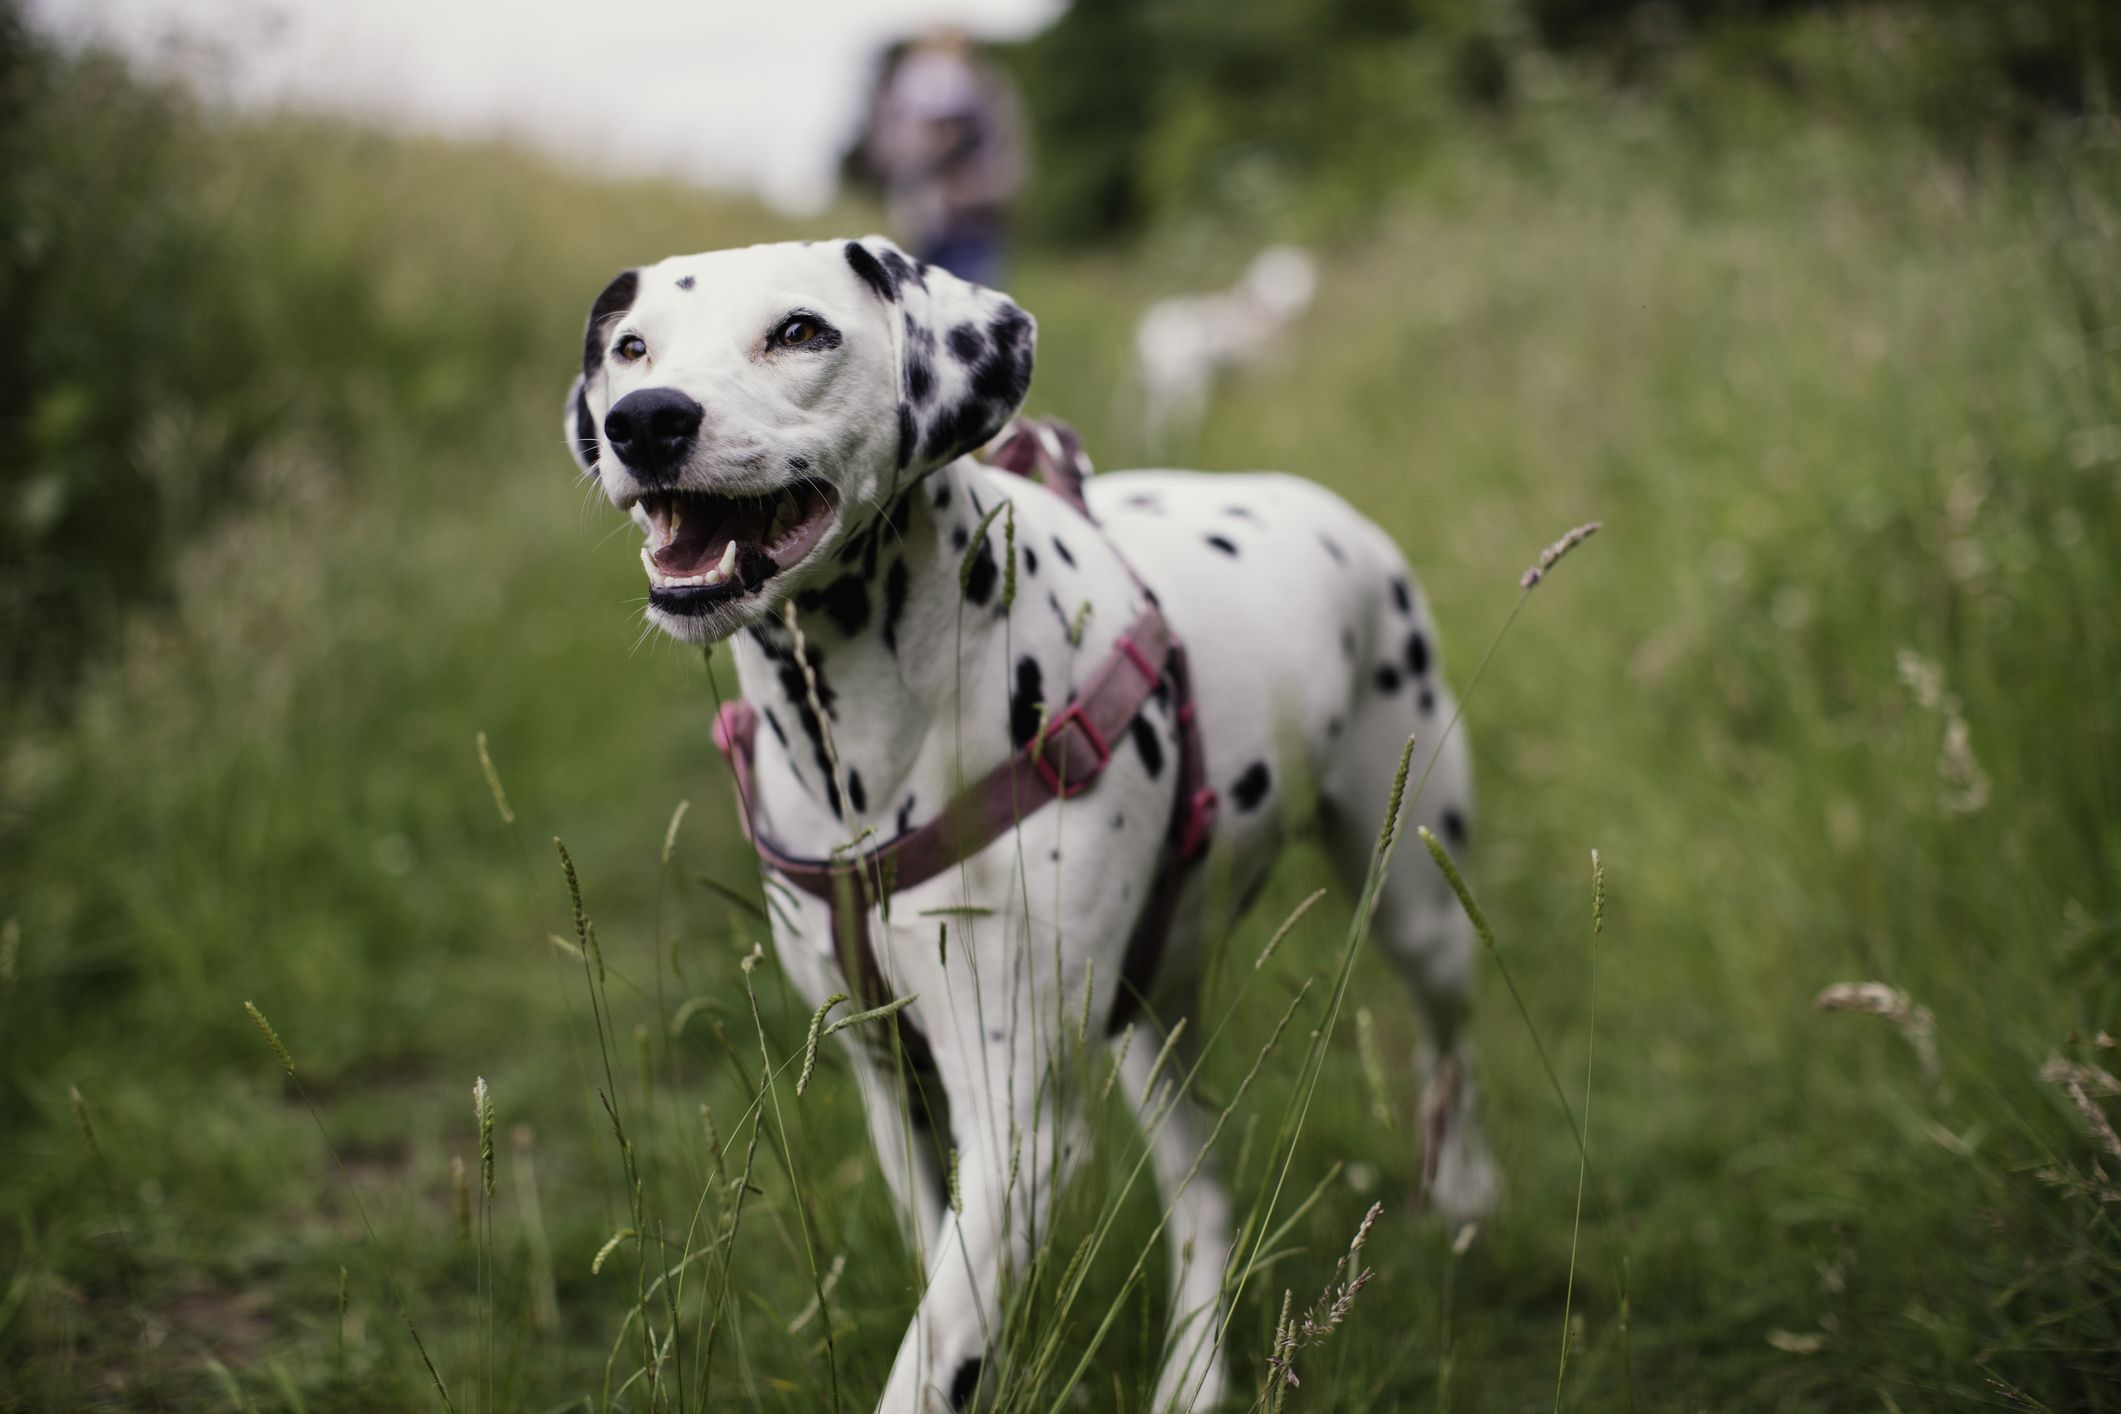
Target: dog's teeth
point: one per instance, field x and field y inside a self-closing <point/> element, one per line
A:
<point x="648" y="563"/>
<point x="728" y="562"/>
<point x="713" y="576"/>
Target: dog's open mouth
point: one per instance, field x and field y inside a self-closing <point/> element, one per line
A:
<point x="706" y="549"/>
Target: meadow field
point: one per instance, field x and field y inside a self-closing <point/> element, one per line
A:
<point x="1835" y="694"/>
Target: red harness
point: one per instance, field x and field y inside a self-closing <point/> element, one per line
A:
<point x="1060" y="763"/>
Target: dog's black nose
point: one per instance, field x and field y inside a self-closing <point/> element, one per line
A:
<point x="653" y="431"/>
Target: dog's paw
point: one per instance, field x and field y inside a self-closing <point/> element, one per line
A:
<point x="1459" y="1180"/>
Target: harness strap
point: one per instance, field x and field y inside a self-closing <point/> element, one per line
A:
<point x="1062" y="762"/>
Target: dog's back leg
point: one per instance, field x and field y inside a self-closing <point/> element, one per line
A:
<point x="1198" y="1231"/>
<point x="1418" y="922"/>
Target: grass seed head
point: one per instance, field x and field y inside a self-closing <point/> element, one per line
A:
<point x="272" y="1037"/>
<point x="1457" y="882"/>
<point x="1915" y="1021"/>
<point x="670" y="831"/>
<point x="88" y="1128"/>
<point x="1390" y="831"/>
<point x="2081" y="1083"/>
<point x="1551" y="556"/>
<point x="1597" y="894"/>
<point x="493" y="783"/>
<point x="611" y="1245"/>
<point x="1009" y="557"/>
<point x="482" y="1107"/>
<point x="817" y="1020"/>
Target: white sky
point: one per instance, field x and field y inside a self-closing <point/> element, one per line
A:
<point x="753" y="96"/>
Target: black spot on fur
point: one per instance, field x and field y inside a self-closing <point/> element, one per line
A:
<point x="1146" y="743"/>
<point x="1001" y="379"/>
<point x="1030" y="560"/>
<point x="754" y="566"/>
<point x="685" y="282"/>
<point x="1251" y="787"/>
<point x="1241" y="512"/>
<point x="967" y="343"/>
<point x="845" y="601"/>
<point x="1454" y="827"/>
<point x="1347" y="642"/>
<point x="1340" y="556"/>
<point x="1143" y="501"/>
<point x="908" y="436"/>
<point x="1219" y="543"/>
<point x="964" y="1384"/>
<point x="905" y="816"/>
<point x="779" y="733"/>
<point x="790" y="676"/>
<point x="942" y="493"/>
<point x="855" y="793"/>
<point x="956" y="430"/>
<point x="903" y="271"/>
<point x="1400" y="598"/>
<point x="1387" y="678"/>
<point x="1428" y="700"/>
<point x="616" y="299"/>
<point x="585" y="429"/>
<point x="1061" y="549"/>
<point x="1335" y="727"/>
<point x="1417" y="653"/>
<point x="873" y="274"/>
<point x="799" y="463"/>
<point x="979" y="587"/>
<point x="920" y="377"/>
<point x="1024" y="703"/>
<point x="960" y="537"/>
<point x="894" y="602"/>
<point x="1119" y="822"/>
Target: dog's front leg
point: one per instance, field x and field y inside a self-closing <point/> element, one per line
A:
<point x="1004" y="1196"/>
<point x="906" y="1145"/>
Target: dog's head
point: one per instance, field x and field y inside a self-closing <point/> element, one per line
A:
<point x="754" y="409"/>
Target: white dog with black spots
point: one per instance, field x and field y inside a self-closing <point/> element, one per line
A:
<point x="790" y="426"/>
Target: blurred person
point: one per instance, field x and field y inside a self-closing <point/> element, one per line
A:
<point x="946" y="140"/>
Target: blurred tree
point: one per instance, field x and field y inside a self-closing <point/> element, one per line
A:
<point x="1143" y="109"/>
<point x="117" y="436"/>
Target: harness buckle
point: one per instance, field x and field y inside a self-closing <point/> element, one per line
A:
<point x="1200" y="822"/>
<point x="1074" y="784"/>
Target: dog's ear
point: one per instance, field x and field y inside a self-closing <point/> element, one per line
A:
<point x="965" y="354"/>
<point x="580" y="421"/>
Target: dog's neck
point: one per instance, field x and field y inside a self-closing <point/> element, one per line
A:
<point x="893" y="643"/>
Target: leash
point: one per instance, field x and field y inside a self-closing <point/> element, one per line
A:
<point x="1063" y="761"/>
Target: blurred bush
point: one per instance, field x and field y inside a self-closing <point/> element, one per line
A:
<point x="130" y="406"/>
<point x="1311" y="110"/>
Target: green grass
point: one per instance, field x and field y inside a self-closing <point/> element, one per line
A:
<point x="1833" y="397"/>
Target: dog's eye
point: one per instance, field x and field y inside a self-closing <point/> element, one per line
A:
<point x="632" y="348"/>
<point x="796" y="331"/>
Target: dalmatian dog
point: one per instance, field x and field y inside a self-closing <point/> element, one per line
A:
<point x="1185" y="341"/>
<point x="790" y="425"/>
